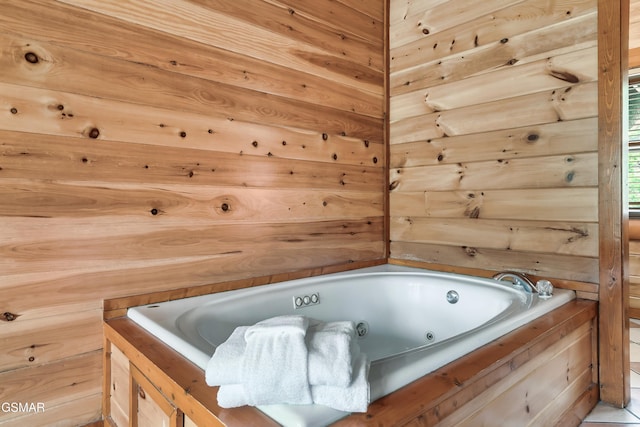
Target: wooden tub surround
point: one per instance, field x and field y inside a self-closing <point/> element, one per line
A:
<point x="544" y="373"/>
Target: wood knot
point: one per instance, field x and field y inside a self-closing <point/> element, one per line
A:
<point x="225" y="207"/>
<point x="31" y="57"/>
<point x="14" y="111"/>
<point x="565" y="76"/>
<point x="569" y="177"/>
<point x="94" y="133"/>
<point x="325" y="136"/>
<point x="472" y="252"/>
<point x="9" y="317"/>
<point x="473" y="213"/>
<point x="532" y="137"/>
<point x="154" y="211"/>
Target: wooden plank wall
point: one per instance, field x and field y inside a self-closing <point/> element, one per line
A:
<point x="493" y="133"/>
<point x="634" y="33"/>
<point x="146" y="146"/>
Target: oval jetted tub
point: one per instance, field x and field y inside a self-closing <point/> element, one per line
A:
<point x="410" y="321"/>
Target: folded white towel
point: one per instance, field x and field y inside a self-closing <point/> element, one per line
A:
<point x="225" y="365"/>
<point x="274" y="366"/>
<point x="354" y="398"/>
<point x="231" y="396"/>
<point x="332" y="349"/>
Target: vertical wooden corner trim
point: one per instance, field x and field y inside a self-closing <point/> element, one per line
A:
<point x="387" y="133"/>
<point x="613" y="35"/>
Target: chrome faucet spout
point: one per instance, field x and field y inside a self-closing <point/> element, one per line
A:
<point x="517" y="279"/>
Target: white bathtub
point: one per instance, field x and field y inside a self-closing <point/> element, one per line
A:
<point x="410" y="326"/>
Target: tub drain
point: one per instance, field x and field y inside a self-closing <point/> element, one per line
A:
<point x="362" y="328"/>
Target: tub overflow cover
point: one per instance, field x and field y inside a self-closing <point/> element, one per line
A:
<point x="453" y="297"/>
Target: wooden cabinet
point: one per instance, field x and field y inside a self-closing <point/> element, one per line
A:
<point x="147" y="383"/>
<point x="133" y="399"/>
<point x="118" y="386"/>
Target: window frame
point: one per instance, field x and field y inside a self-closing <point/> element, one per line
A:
<point x="633" y="132"/>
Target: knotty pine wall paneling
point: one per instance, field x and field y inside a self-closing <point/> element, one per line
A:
<point x="147" y="146"/>
<point x="494" y="136"/>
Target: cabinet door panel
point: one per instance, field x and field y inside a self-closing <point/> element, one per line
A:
<point x="119" y="387"/>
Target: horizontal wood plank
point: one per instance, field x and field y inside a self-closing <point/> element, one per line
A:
<point x="574" y="136"/>
<point x="572" y="268"/>
<point x="46" y="340"/>
<point x="577" y="239"/>
<point x="529" y="204"/>
<point x="53" y="384"/>
<point x="572" y="170"/>
<point x="97" y="204"/>
<point x="208" y="26"/>
<point x="569" y="103"/>
<point x="82" y="159"/>
<point x="81" y="412"/>
<point x="68" y="253"/>
<point x="548" y="74"/>
<point x="353" y="18"/>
